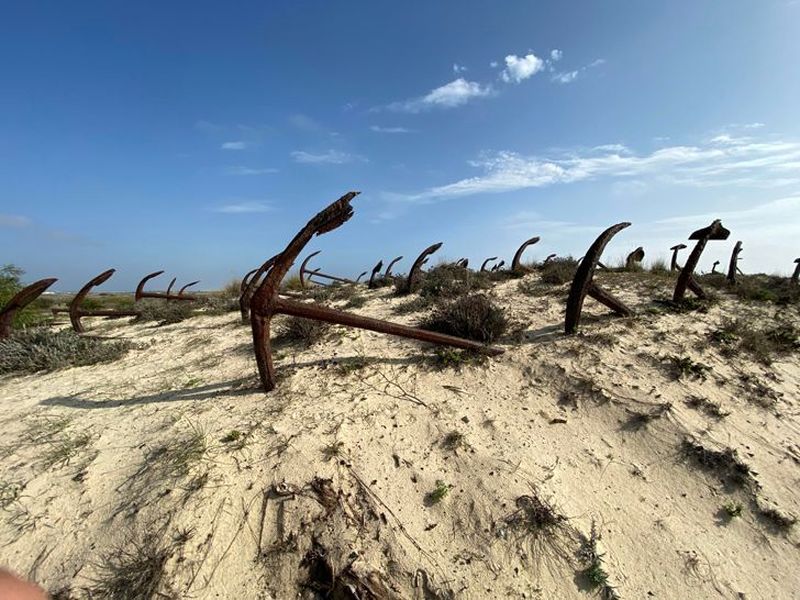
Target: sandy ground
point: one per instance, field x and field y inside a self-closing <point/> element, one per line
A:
<point x="332" y="473"/>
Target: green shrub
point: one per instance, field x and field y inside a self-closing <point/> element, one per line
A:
<point x="560" y="270"/>
<point x="306" y="331"/>
<point x="42" y="349"/>
<point x="473" y="317"/>
<point x="10" y="284"/>
<point x="164" y="312"/>
<point x="449" y="281"/>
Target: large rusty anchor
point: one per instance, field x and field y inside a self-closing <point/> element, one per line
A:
<point x="714" y="267"/>
<point x="358" y="279"/>
<point x="248" y="287"/>
<point x="486" y="262"/>
<point x="634" y="259"/>
<point x="19" y="301"/>
<point x="583" y="283"/>
<point x="416" y="269"/>
<point x="266" y="302"/>
<point x="498" y="266"/>
<point x="306" y="274"/>
<point x="796" y="275"/>
<point x="462" y="263"/>
<point x="516" y="262"/>
<point x="673" y="264"/>
<point x="168" y="295"/>
<point x="373" y="283"/>
<point x="76" y="313"/>
<point x="686" y="279"/>
<point x="388" y="272"/>
<point x="733" y="265"/>
<point x="549" y="258"/>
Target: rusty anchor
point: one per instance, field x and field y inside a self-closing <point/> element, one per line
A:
<point x="462" y="263"/>
<point x="388" y="272"/>
<point x="686" y="279"/>
<point x="358" y="279"/>
<point x="266" y="302"/>
<point x="714" y="267"/>
<point x="796" y="275"/>
<point x="140" y="293"/>
<point x="673" y="265"/>
<point x="583" y="283"/>
<point x="516" y="262"/>
<point x="19" y="301"/>
<point x="76" y="313"/>
<point x="733" y="265"/>
<point x="306" y="273"/>
<point x="634" y="259"/>
<point x="248" y="287"/>
<point x="416" y="269"/>
<point x="486" y="262"/>
<point x="498" y="266"/>
<point x="549" y="258"/>
<point x="375" y="271"/>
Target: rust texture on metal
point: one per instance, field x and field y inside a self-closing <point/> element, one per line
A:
<point x="358" y="279"/>
<point x="76" y="313"/>
<point x="171" y="283"/>
<point x="673" y="264"/>
<point x="583" y="284"/>
<point x="187" y="286"/>
<point x="714" y="266"/>
<point x="486" y="262"/>
<point x="516" y="262"/>
<point x="250" y="287"/>
<point x="416" y="269"/>
<point x="635" y="258"/>
<point x="306" y="274"/>
<point x="266" y="302"/>
<point x="498" y="266"/>
<point x="686" y="279"/>
<point x="388" y="272"/>
<point x="19" y="301"/>
<point x="141" y="293"/>
<point x="733" y="265"/>
<point x="549" y="258"/>
<point x="375" y="271"/>
<point x="796" y="275"/>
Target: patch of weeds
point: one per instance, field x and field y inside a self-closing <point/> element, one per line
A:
<point x="559" y="271"/>
<point x="220" y="305"/>
<point x="534" y="515"/>
<point x="62" y="450"/>
<point x="640" y="420"/>
<point x="689" y="304"/>
<point x="234" y="435"/>
<point x="445" y="357"/>
<point x="473" y="317"/>
<point x="175" y="458"/>
<point x="453" y="441"/>
<point x="438" y="494"/>
<point x="417" y="304"/>
<point x="163" y="312"/>
<point x="292" y="283"/>
<point x="732" y="509"/>
<point x="763" y="344"/>
<point x="709" y="407"/>
<point x="333" y="451"/>
<point x="758" y="288"/>
<point x="595" y="572"/>
<point x="9" y="493"/>
<point x="347" y="366"/>
<point x="134" y="571"/>
<point x="659" y="267"/>
<point x="449" y="281"/>
<point x="356" y="302"/>
<point x="41" y="349"/>
<point x="600" y="339"/>
<point x="683" y="366"/>
<point x="304" y="331"/>
<point x="777" y="519"/>
<point x="758" y="392"/>
<point x="725" y="463"/>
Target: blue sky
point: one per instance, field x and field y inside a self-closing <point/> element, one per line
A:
<point x="197" y="137"/>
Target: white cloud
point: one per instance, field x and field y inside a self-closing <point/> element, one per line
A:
<point x="234" y="145"/>
<point x="238" y="170"/>
<point x="243" y="207"/>
<point x="458" y="68"/>
<point x="519" y="68"/>
<point x="494" y="64"/>
<point x="566" y="77"/>
<point x="739" y="161"/>
<point x="556" y="55"/>
<point x="379" y="129"/>
<point x="753" y="125"/>
<point x="14" y="221"/>
<point x="456" y="93"/>
<point x="331" y="157"/>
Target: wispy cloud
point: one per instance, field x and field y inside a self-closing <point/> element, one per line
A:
<point x="458" y="68"/>
<point x="566" y="77"/>
<point x="379" y="129"/>
<point x="332" y="157"/>
<point x="239" y="145"/>
<point x="236" y="208"/>
<point x="450" y="95"/>
<point x="718" y="162"/>
<point x="14" y="221"/>
<point x="239" y="170"/>
<point x="519" y="68"/>
<point x="556" y="55"/>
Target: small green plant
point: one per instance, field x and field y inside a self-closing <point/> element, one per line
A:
<point x="134" y="571"/>
<point x="63" y="449"/>
<point x="175" y="458"/>
<point x="732" y="508"/>
<point x="452" y="358"/>
<point x="683" y="366"/>
<point x="42" y="349"/>
<point x="439" y="493"/>
<point x="595" y="573"/>
<point x="473" y="317"/>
